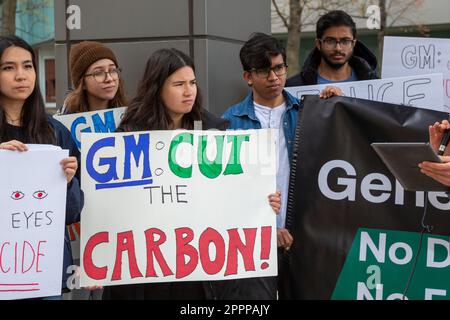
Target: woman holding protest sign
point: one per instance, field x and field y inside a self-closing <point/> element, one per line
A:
<point x="23" y="121"/>
<point x="95" y="74"/>
<point x="168" y="98"/>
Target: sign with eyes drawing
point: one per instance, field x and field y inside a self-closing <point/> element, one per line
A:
<point x="32" y="219"/>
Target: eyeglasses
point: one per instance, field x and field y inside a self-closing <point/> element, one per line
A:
<point x="100" y="76"/>
<point x="331" y="43"/>
<point x="279" y="70"/>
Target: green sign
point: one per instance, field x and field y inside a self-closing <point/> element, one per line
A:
<point x="380" y="263"/>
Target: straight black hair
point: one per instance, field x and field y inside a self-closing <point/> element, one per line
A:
<point x="335" y="18"/>
<point x="258" y="51"/>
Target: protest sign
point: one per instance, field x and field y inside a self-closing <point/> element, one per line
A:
<point x="423" y="91"/>
<point x="33" y="190"/>
<point x="407" y="56"/>
<point x="357" y="232"/>
<point x="93" y="121"/>
<point x="167" y="206"/>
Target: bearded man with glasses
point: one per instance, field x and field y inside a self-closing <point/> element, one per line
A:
<point x="338" y="55"/>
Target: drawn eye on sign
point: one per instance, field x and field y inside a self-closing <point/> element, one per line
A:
<point x="17" y="195"/>
<point x="40" y="194"/>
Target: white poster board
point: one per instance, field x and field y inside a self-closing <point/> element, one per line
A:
<point x="166" y="206"/>
<point x="423" y="91"/>
<point x="95" y="121"/>
<point x="406" y="56"/>
<point x="32" y="219"/>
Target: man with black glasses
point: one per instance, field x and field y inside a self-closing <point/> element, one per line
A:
<point x="267" y="105"/>
<point x="338" y="55"/>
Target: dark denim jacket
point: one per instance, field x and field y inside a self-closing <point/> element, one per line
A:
<point x="242" y="116"/>
<point x="75" y="196"/>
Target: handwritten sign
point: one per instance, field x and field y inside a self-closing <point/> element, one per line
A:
<point x="32" y="221"/>
<point x="167" y="206"/>
<point x="76" y="123"/>
<point x="94" y="121"/>
<point x="423" y="91"/>
<point x="405" y="56"/>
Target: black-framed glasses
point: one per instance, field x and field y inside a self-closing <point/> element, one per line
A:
<point x="331" y="43"/>
<point x="279" y="70"/>
<point x="100" y="75"/>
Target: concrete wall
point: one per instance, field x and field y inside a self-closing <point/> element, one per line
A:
<point x="210" y="31"/>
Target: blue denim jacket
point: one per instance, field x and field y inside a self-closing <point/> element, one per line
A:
<point x="242" y="116"/>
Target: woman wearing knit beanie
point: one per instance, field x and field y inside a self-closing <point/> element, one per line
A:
<point x="95" y="74"/>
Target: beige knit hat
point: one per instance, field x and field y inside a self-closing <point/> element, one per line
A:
<point x="85" y="53"/>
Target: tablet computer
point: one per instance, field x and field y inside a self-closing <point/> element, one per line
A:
<point x="403" y="158"/>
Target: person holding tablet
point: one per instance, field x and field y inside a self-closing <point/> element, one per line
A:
<point x="439" y="135"/>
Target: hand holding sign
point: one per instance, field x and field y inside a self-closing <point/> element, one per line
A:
<point x="14" y="145"/>
<point x="275" y="201"/>
<point x="69" y="164"/>
<point x="330" y="91"/>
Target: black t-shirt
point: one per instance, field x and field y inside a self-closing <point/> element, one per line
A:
<point x="14" y="133"/>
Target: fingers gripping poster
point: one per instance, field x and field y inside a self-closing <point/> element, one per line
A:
<point x="167" y="206"/>
<point x="32" y="220"/>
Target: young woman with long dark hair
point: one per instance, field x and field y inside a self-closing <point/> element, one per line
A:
<point x="168" y="98"/>
<point x="23" y="120"/>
